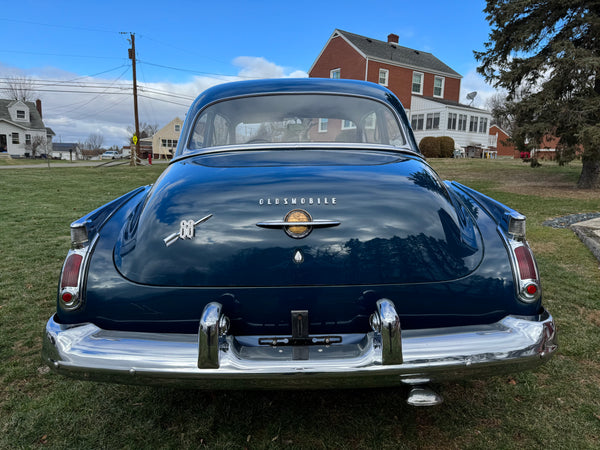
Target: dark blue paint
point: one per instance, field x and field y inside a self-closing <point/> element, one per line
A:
<point x="429" y="247"/>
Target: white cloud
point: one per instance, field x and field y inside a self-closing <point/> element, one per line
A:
<point x="258" y="67"/>
<point x="107" y="109"/>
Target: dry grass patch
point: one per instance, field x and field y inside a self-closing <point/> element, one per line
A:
<point x="591" y="315"/>
<point x="514" y="176"/>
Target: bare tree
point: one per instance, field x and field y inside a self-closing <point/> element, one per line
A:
<point x="94" y="141"/>
<point x="20" y="88"/>
<point x="37" y="143"/>
<point x="146" y="130"/>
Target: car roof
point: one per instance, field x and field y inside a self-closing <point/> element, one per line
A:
<point x="293" y="86"/>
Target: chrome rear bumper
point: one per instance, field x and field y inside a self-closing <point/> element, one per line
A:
<point x="385" y="357"/>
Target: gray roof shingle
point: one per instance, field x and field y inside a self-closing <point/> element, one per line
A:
<point x="35" y="122"/>
<point x="397" y="54"/>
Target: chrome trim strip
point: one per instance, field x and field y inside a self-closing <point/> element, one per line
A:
<point x="283" y="146"/>
<point x="86" y="351"/>
<point x="312" y="223"/>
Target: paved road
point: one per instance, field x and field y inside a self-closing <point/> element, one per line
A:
<point x="73" y="164"/>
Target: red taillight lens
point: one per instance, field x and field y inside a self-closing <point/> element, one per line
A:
<point x="70" y="275"/>
<point x="526" y="265"/>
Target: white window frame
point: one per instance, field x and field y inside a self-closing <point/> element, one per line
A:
<point x="483" y="125"/>
<point x="27" y="139"/>
<point x="384" y="75"/>
<point x="443" y="82"/>
<point x="177" y="128"/>
<point x="15" y="138"/>
<point x="21" y="114"/>
<point x="432" y="121"/>
<point x="335" y="73"/>
<point x="473" y="124"/>
<point x="416" y="120"/>
<point x="452" y="121"/>
<point x="323" y="125"/>
<point x="348" y="125"/>
<point x="412" y="86"/>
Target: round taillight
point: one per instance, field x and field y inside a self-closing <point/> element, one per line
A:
<point x="532" y="289"/>
<point x="67" y="297"/>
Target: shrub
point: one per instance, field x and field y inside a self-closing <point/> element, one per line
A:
<point x="437" y="147"/>
<point x="446" y="146"/>
<point x="430" y="147"/>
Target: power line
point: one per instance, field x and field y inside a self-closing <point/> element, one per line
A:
<point x="217" y="76"/>
<point x="100" y="93"/>
<point x="165" y="101"/>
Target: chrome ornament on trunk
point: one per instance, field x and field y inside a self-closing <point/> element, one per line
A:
<point x="187" y="230"/>
<point x="300" y="217"/>
<point x="298" y="223"/>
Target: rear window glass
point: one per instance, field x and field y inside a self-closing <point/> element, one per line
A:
<point x="292" y="118"/>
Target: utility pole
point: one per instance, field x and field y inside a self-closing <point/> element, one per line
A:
<point x="136" y="138"/>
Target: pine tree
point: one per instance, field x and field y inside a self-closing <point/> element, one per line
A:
<point x="547" y="53"/>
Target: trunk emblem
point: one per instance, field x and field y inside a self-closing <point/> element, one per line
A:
<point x="187" y="230"/>
<point x="298" y="223"/>
<point x="300" y="217"/>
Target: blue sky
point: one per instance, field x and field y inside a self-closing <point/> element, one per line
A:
<point x="184" y="47"/>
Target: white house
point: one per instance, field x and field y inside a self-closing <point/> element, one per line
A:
<point x="22" y="131"/>
<point x="468" y="126"/>
<point x="68" y="151"/>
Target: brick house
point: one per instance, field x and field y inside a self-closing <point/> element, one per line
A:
<point x="502" y="142"/>
<point x="428" y="88"/>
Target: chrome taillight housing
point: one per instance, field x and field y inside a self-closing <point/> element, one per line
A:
<point x="528" y="276"/>
<point x="70" y="280"/>
<point x="525" y="269"/>
<point x="72" y="276"/>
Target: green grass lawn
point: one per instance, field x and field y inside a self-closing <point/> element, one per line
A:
<point x="556" y="406"/>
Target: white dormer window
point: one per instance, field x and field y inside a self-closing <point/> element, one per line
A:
<point x="177" y="128"/>
<point x="335" y="73"/>
<point x="417" y="83"/>
<point x="19" y="112"/>
<point x="384" y="76"/>
<point x="438" y="87"/>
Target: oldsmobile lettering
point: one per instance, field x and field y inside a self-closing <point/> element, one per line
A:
<point x="293" y="201"/>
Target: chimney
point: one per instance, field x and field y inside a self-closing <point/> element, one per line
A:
<point x="38" y="106"/>
<point x="393" y="38"/>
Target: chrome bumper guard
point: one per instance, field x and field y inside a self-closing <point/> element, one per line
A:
<point x="386" y="356"/>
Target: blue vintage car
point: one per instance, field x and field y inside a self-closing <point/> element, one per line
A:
<point x="299" y="239"/>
